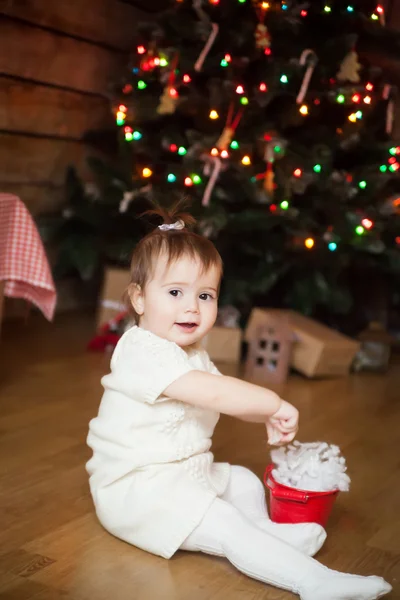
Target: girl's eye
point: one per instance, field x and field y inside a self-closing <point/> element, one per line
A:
<point x="174" y="293"/>
<point x="205" y="296"/>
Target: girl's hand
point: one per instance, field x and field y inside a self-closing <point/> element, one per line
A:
<point x="283" y="425"/>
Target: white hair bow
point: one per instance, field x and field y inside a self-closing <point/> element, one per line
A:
<point x="168" y="226"/>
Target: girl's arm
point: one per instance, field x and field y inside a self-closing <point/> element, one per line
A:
<point x="226" y="395"/>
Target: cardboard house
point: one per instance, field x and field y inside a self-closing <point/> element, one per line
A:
<point x="318" y="351"/>
<point x="270" y="347"/>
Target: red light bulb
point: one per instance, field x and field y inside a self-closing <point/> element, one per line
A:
<point x="367" y="223"/>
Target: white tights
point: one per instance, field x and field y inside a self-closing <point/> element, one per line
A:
<point x="237" y="527"/>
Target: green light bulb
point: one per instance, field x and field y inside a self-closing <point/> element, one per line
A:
<point x="363" y="185"/>
<point x="317" y="168"/>
<point x="163" y="62"/>
<point x="341" y="98"/>
<point x="383" y="168"/>
<point x="244" y="100"/>
<point x="141" y="84"/>
<point x="129" y="136"/>
<point x="284" y="205"/>
<point x="284" y="79"/>
<point x="327" y="9"/>
<point x="360" y="230"/>
<point x="182" y="151"/>
<point x="224" y="63"/>
<point x="234" y="145"/>
<point x="120" y="121"/>
<point x="196" y="179"/>
<point x="171" y="178"/>
<point x="392" y="151"/>
<point x="277" y="149"/>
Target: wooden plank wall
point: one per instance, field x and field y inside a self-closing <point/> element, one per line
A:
<point x="57" y="60"/>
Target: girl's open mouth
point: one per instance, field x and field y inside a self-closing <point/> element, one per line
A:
<point x="188" y="327"/>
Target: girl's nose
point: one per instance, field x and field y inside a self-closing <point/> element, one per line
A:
<point x="193" y="305"/>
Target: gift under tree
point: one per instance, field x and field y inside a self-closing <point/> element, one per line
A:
<point x="270" y="117"/>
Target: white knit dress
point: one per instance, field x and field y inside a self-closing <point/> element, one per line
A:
<point x="152" y="475"/>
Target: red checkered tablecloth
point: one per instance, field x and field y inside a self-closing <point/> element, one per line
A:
<point x="23" y="263"/>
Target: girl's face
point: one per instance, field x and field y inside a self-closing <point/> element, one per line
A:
<point x="180" y="302"/>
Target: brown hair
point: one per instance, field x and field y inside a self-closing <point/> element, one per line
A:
<point x="175" y="243"/>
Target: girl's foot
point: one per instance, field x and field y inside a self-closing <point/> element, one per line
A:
<point x="341" y="586"/>
<point x="306" y="537"/>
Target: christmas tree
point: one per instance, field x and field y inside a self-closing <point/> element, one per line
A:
<point x="271" y="119"/>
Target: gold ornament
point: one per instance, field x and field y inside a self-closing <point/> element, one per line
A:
<point x="225" y="138"/>
<point x="262" y="37"/>
<point x="349" y="68"/>
<point x="269" y="181"/>
<point x="168" y="101"/>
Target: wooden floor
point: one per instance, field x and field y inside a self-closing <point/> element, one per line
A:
<point x="52" y="547"/>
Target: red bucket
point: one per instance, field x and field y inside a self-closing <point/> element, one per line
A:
<point x="289" y="505"/>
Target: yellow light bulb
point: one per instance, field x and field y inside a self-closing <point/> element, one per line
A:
<point x="309" y="243"/>
<point x="353" y="117"/>
<point x="246" y="160"/>
<point x="304" y="109"/>
<point x="265" y="5"/>
<point x="214" y="114"/>
<point x="147" y="172"/>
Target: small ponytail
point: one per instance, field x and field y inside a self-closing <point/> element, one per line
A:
<point x="173" y="214"/>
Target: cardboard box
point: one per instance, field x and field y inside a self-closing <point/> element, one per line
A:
<point x="318" y="351"/>
<point x="223" y="344"/>
<point x="111" y="299"/>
